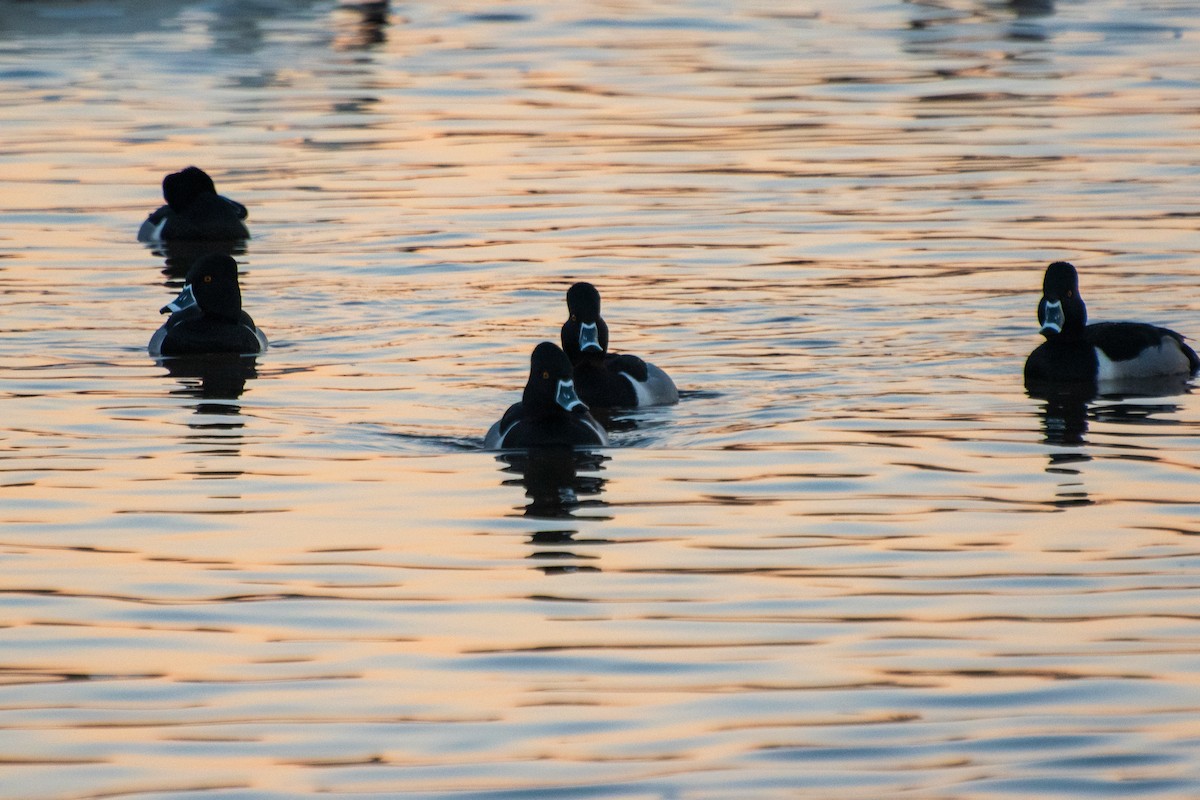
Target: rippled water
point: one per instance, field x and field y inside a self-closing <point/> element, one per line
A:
<point x="857" y="560"/>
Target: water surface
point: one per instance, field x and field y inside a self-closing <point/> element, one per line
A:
<point x="857" y="560"/>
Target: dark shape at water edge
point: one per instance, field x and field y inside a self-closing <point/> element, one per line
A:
<point x="1032" y="8"/>
<point x="360" y="24"/>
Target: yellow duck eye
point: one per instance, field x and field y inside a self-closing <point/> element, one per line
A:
<point x="208" y="278"/>
<point x="546" y="374"/>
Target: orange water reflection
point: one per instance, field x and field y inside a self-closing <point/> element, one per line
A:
<point x="857" y="558"/>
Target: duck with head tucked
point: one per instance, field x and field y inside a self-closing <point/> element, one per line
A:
<point x="193" y="211"/>
<point x="608" y="380"/>
<point x="1078" y="353"/>
<point x="207" y="316"/>
<point x="550" y="413"/>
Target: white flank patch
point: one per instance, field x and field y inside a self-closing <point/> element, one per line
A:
<point x="156" y="234"/>
<point x="640" y="390"/>
<point x="1165" y="359"/>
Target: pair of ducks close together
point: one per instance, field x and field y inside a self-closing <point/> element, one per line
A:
<point x="207" y="317"/>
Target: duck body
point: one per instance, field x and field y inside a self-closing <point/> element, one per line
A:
<point x="207" y="317"/>
<point x="194" y="211"/>
<point x="608" y="380"/>
<point x="550" y="412"/>
<point x="623" y="381"/>
<point x="1112" y="351"/>
<point x="1076" y="352"/>
<point x="192" y="332"/>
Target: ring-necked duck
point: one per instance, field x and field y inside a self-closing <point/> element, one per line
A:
<point x="1075" y="352"/>
<point x="608" y="380"/>
<point x="550" y="413"/>
<point x="194" y="210"/>
<point x="207" y="317"/>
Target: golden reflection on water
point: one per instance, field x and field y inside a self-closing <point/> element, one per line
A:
<point x="856" y="559"/>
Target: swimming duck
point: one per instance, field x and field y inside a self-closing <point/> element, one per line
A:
<point x="194" y="210"/>
<point x="550" y="412"/>
<point x="608" y="380"/>
<point x="1075" y="352"/>
<point x="207" y="317"/>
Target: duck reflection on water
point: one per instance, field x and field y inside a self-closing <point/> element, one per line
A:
<point x="1032" y="8"/>
<point x="558" y="482"/>
<point x="178" y="256"/>
<point x="212" y="377"/>
<point x="360" y="24"/>
<point x="218" y="428"/>
<point x="1067" y="409"/>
